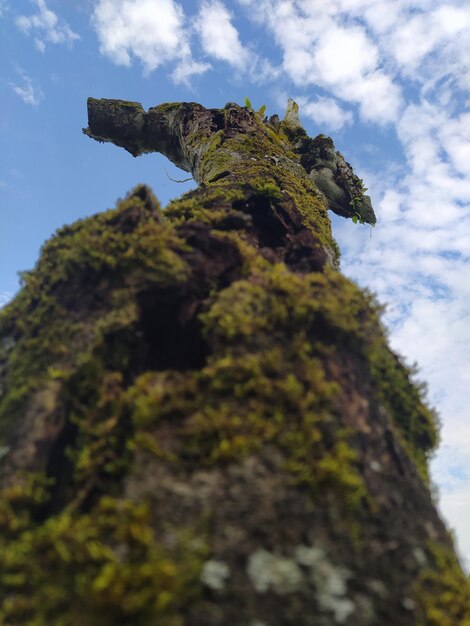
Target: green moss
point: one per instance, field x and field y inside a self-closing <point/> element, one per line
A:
<point x="101" y="568"/>
<point x="251" y="161"/>
<point x="209" y="205"/>
<point x="93" y="256"/>
<point x="268" y="189"/>
<point x="208" y="151"/>
<point x="443" y="591"/>
<point x="236" y="406"/>
<point x="118" y="103"/>
<point x="98" y="451"/>
<point x="310" y="316"/>
<point x="265" y="383"/>
<point x="416" y="421"/>
<point x="167" y="107"/>
<point x="20" y="504"/>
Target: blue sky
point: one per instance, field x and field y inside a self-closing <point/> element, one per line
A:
<point x="389" y="80"/>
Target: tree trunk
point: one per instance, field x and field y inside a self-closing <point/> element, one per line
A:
<point x="201" y="422"/>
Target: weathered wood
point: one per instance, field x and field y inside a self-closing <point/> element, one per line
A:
<point x="184" y="132"/>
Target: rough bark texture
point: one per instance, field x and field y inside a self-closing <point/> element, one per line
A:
<point x="201" y="423"/>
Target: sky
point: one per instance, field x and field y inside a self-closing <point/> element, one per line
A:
<point x="388" y="80"/>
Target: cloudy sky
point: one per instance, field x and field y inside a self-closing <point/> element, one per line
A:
<point x="389" y="80"/>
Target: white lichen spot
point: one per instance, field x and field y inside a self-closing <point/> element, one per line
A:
<point x="379" y="588"/>
<point x="256" y="622"/>
<point x="330" y="582"/>
<point x="420" y="556"/>
<point x="365" y="608"/>
<point x="309" y="556"/>
<point x="214" y="574"/>
<point x="409" y="604"/>
<point x="342" y="609"/>
<point x="268" y="571"/>
<point x="332" y="590"/>
<point x="375" y="466"/>
<point x="431" y="530"/>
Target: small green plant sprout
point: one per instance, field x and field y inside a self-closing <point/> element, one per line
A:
<point x="360" y="183"/>
<point x="356" y="203"/>
<point x="249" y="106"/>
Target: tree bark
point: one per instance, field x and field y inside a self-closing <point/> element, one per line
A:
<point x="201" y="422"/>
<point x="187" y="133"/>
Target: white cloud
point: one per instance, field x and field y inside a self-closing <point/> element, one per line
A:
<point x="451" y="470"/>
<point x="186" y="69"/>
<point x="220" y="40"/>
<point x="380" y="16"/>
<point x="455" y="508"/>
<point x="424" y="43"/>
<point x="455" y="137"/>
<point x="157" y="33"/>
<point x="389" y="207"/>
<point x="320" y="49"/>
<point x="379" y="98"/>
<point x="3" y="8"/>
<point x="420" y="34"/>
<point x="261" y="70"/>
<point x="5" y="297"/>
<point x="324" y="112"/>
<point x="359" y="50"/>
<point x="46" y="27"/>
<point x="345" y="54"/>
<point x="26" y="90"/>
<point x="152" y="31"/>
<point x="219" y="37"/>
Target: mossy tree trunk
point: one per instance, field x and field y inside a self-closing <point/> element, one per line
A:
<point x="201" y="423"/>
